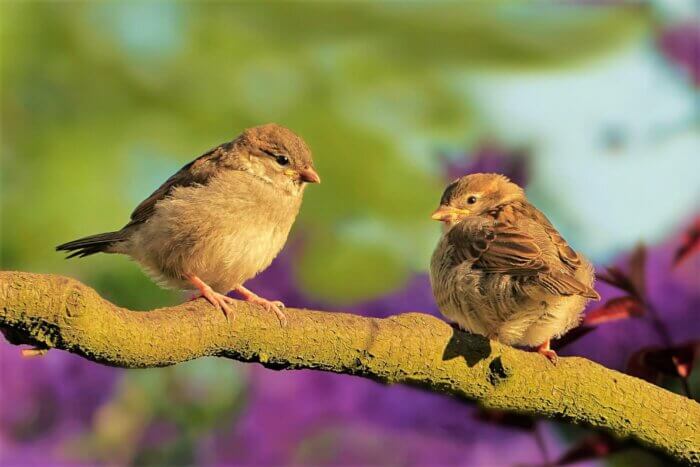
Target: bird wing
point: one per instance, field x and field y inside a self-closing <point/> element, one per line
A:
<point x="497" y="247"/>
<point x="566" y="253"/>
<point x="197" y="172"/>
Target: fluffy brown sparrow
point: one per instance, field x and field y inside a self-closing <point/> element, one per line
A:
<point x="502" y="270"/>
<point x="219" y="220"/>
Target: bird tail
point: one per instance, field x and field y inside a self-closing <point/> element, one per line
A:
<point x="87" y="246"/>
<point x="564" y="284"/>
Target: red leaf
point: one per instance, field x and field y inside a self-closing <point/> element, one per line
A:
<point x="689" y="244"/>
<point x="634" y="282"/>
<point x="637" y="266"/>
<point x="615" y="309"/>
<point x="683" y="366"/>
<point x="637" y="366"/>
<point x="593" y="447"/>
<point x="617" y="278"/>
<point x="650" y="363"/>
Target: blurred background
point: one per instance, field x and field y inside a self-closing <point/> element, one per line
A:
<point x="592" y="106"/>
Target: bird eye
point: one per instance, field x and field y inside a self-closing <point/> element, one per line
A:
<point x="471" y="200"/>
<point x="282" y="160"/>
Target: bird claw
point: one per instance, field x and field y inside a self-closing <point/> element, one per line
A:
<point x="545" y="350"/>
<point x="269" y="305"/>
<point x="220" y="301"/>
<point x="275" y="306"/>
<point x="551" y="356"/>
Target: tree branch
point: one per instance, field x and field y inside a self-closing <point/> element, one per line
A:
<point x="416" y="349"/>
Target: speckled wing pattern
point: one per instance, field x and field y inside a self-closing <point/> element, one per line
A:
<point x="510" y="213"/>
<point x="497" y="247"/>
<point x="196" y="172"/>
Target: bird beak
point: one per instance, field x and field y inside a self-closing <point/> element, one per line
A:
<point x="448" y="214"/>
<point x="309" y="175"/>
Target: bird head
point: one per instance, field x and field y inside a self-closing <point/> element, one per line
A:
<point x="475" y="195"/>
<point x="277" y="155"/>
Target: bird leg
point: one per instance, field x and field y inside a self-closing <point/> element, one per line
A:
<point x="252" y="297"/>
<point x="220" y="301"/>
<point x="545" y="350"/>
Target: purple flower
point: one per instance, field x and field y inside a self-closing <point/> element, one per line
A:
<point x="680" y="44"/>
<point x="308" y="417"/>
<point x="489" y="157"/>
<point x="316" y="418"/>
<point x="47" y="401"/>
<point x="673" y="292"/>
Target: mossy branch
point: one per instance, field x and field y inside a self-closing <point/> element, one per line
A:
<point x="417" y="349"/>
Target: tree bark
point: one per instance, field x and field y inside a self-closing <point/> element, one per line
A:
<point x="417" y="349"/>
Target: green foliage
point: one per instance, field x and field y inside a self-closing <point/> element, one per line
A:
<point x="93" y="91"/>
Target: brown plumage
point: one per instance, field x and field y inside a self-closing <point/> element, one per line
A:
<point x="502" y="270"/>
<point x="220" y="219"/>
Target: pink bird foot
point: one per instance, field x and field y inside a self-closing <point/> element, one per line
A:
<point x="546" y="350"/>
<point x="220" y="301"/>
<point x="276" y="306"/>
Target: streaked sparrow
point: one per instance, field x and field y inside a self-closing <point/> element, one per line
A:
<point x="219" y="220"/>
<point x="502" y="270"/>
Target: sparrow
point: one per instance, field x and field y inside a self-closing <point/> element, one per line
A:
<point x="218" y="221"/>
<point x="502" y="270"/>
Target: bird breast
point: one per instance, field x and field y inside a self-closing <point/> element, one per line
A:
<point x="224" y="232"/>
<point x="497" y="305"/>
